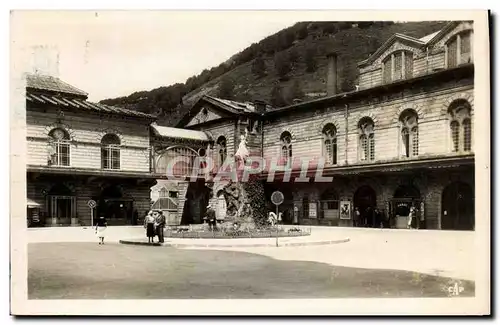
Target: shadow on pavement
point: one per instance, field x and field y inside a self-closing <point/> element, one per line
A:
<point x="113" y="271"/>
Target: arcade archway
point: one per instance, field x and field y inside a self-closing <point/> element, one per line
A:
<point x="365" y="199"/>
<point x="405" y="197"/>
<point x="457" y="207"/>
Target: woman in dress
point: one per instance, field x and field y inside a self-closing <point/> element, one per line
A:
<point x="100" y="228"/>
<point x="149" y="224"/>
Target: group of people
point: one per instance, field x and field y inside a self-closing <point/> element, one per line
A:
<point x="154" y="222"/>
<point x="373" y="218"/>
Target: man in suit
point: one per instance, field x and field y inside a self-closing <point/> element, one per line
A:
<point x="160" y="224"/>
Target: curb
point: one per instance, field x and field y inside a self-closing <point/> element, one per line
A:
<point x="178" y="245"/>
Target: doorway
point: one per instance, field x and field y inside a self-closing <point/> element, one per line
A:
<point x="62" y="205"/>
<point x="457" y="207"/>
<point x="117" y="209"/>
<point x="365" y="199"/>
<point x="405" y="196"/>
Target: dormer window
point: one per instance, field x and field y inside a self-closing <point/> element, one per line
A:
<point x="397" y="66"/>
<point x="459" y="49"/>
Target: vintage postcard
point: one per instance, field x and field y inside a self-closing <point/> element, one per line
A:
<point x="250" y="163"/>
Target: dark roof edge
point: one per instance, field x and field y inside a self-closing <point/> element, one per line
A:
<point x="354" y="93"/>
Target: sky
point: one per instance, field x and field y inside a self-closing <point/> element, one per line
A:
<point x="115" y="53"/>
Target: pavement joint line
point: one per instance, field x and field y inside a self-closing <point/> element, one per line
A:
<point x="183" y="245"/>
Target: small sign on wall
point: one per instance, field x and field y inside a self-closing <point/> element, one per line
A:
<point x="313" y="213"/>
<point x="345" y="210"/>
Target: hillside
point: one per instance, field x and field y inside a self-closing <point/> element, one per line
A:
<point x="300" y="54"/>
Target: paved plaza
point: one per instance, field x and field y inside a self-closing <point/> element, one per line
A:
<point x="68" y="263"/>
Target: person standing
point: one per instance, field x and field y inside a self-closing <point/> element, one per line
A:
<point x="149" y="224"/>
<point x="357" y="217"/>
<point x="211" y="217"/>
<point x="159" y="225"/>
<point x="410" y="217"/>
<point x="100" y="228"/>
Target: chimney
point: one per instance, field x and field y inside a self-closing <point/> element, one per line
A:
<point x="260" y="106"/>
<point x="331" y="80"/>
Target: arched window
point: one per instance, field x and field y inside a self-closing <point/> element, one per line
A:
<point x="460" y="126"/>
<point x="397" y="66"/>
<point x="110" y="151"/>
<point x="409" y="133"/>
<point x="366" y="139"/>
<point x="59" y="147"/>
<point x="330" y="143"/>
<point x="221" y="150"/>
<point x="459" y="49"/>
<point x="286" y="147"/>
<point x="177" y="161"/>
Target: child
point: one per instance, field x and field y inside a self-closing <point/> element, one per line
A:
<point x="100" y="229"/>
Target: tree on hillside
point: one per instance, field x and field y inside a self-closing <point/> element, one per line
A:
<point x="310" y="59"/>
<point x="293" y="56"/>
<point x="226" y="88"/>
<point x="302" y="31"/>
<point x="277" y="98"/>
<point x="259" y="67"/>
<point x="282" y="65"/>
<point x="295" y="91"/>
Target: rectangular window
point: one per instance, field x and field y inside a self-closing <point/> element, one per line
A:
<point x="398" y="66"/>
<point x="110" y="158"/>
<point x="452" y="53"/>
<point x="467" y="135"/>
<point x="387" y="71"/>
<point x="415" y="142"/>
<point x="406" y="144"/>
<point x="305" y="208"/>
<point x="455" y="136"/>
<point x="465" y="48"/>
<point x="173" y="194"/>
<point x="334" y="152"/>
<point x="408" y="65"/>
<point x="372" y="147"/>
<point x="63" y="154"/>
<point x="364" y="148"/>
<point x="332" y="205"/>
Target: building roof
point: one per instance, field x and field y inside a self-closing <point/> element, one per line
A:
<point x="235" y="107"/>
<point x="427" y="38"/>
<point x="82" y="105"/>
<point x="52" y="84"/>
<point x="230" y="107"/>
<point x="48" y="90"/>
<point x="170" y="132"/>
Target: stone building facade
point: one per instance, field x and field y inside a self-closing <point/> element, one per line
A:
<point x="80" y="151"/>
<point x="403" y="138"/>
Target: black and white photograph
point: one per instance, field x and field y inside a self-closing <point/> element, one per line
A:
<point x="239" y="158"/>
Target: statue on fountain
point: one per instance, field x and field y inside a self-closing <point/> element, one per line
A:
<point x="242" y="153"/>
